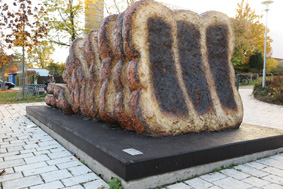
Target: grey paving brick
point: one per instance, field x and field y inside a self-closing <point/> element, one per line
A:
<point x="251" y="171"/>
<point x="57" y="155"/>
<point x="50" y="185"/>
<point x="36" y="159"/>
<point x="198" y="183"/>
<point x="13" y="163"/>
<point x="69" y="164"/>
<point x="100" y="184"/>
<point x="75" y="187"/>
<point x="256" y="182"/>
<point x="80" y="179"/>
<point x="13" y="149"/>
<point x="178" y="186"/>
<point x="22" y="182"/>
<point x="234" y="173"/>
<point x="48" y="147"/>
<point x="61" y="160"/>
<point x="256" y="165"/>
<point x="40" y="170"/>
<point x="274" y="179"/>
<point x="211" y="177"/>
<point x="56" y="175"/>
<point x="30" y="166"/>
<point x="274" y="171"/>
<point x="79" y="170"/>
<point x="12" y="176"/>
<point x="20" y="156"/>
<point x="232" y="183"/>
<point x="273" y="186"/>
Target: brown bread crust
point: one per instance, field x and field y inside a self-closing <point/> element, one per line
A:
<point x="122" y="110"/>
<point x="107" y="92"/>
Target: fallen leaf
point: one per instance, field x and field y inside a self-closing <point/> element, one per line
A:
<point x="2" y="172"/>
<point x="101" y="187"/>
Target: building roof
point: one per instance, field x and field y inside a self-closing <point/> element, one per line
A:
<point x="40" y="71"/>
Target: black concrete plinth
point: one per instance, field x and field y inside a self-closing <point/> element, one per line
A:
<point x="105" y="144"/>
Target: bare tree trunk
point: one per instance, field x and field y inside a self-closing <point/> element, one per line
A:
<point x="2" y="77"/>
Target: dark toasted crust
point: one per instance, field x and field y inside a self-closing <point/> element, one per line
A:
<point x="104" y="42"/>
<point x="217" y="48"/>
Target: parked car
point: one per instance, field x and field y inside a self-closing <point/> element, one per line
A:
<point x="8" y="85"/>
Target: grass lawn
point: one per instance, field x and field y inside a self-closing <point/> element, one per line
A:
<point x="9" y="97"/>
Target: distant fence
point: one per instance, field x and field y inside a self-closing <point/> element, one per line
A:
<point x="42" y="79"/>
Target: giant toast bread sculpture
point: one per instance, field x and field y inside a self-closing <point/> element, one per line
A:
<point x="155" y="71"/>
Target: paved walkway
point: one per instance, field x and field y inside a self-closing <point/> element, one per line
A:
<point x="32" y="159"/>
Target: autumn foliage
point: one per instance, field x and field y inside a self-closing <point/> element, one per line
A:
<point x="22" y="27"/>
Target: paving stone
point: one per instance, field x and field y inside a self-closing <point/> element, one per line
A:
<point x="9" y="154"/>
<point x="57" y="155"/>
<point x="272" y="162"/>
<point x="234" y="173"/>
<point x="30" y="166"/>
<point x="99" y="184"/>
<point x="16" y="148"/>
<point x="274" y="171"/>
<point x="211" y="177"/>
<point x="36" y="159"/>
<point x="232" y="183"/>
<point x="13" y="163"/>
<point x="274" y="179"/>
<point x="27" y="151"/>
<point x="80" y="179"/>
<point x="56" y="175"/>
<point x="21" y="156"/>
<point x="61" y="160"/>
<point x="256" y="182"/>
<point x="22" y="182"/>
<point x="53" y="185"/>
<point x="40" y="170"/>
<point x="73" y="163"/>
<point x="48" y="147"/>
<point x="12" y="176"/>
<point x="273" y="186"/>
<point x="198" y="183"/>
<point x="216" y="187"/>
<point x="178" y="186"/>
<point x="251" y="171"/>
<point x="75" y="187"/>
<point x="256" y="165"/>
<point x="79" y="170"/>
<point x="44" y="152"/>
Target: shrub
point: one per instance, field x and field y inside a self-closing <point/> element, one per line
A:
<point x="272" y="92"/>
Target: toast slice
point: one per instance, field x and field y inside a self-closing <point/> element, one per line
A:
<point x="175" y="89"/>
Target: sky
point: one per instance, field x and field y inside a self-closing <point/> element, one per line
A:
<point x="275" y="15"/>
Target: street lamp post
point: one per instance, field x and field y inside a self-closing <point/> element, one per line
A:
<point x="267" y="3"/>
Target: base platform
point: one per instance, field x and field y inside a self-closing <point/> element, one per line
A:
<point x="137" y="159"/>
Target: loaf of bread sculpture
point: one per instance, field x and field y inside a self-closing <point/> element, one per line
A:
<point x="162" y="72"/>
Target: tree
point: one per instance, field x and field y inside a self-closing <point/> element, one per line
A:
<point x="56" y="69"/>
<point x="256" y="61"/>
<point x="249" y="34"/>
<point x="5" y="63"/>
<point x="41" y="55"/>
<point x="68" y="26"/>
<point x="22" y="28"/>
